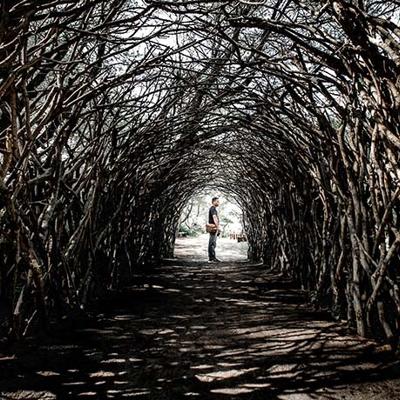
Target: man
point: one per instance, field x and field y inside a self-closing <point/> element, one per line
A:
<point x="213" y="219"/>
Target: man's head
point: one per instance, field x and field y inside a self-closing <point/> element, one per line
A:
<point x="215" y="201"/>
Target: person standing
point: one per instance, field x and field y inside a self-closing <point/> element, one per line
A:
<point x="213" y="219"/>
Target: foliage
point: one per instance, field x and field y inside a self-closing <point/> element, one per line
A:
<point x="192" y="231"/>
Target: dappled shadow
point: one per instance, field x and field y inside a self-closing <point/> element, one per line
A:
<point x="208" y="331"/>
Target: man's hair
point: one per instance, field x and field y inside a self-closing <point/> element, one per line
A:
<point x="213" y="199"/>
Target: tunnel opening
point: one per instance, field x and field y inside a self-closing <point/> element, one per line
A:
<point x="232" y="240"/>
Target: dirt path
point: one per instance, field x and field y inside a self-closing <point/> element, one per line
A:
<point x="208" y="332"/>
<point x="195" y="249"/>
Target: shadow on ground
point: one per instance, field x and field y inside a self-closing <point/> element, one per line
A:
<point x="208" y="332"/>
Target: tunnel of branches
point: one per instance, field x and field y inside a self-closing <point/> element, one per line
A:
<point x="115" y="113"/>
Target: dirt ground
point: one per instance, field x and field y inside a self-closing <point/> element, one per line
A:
<point x="195" y="249"/>
<point x="205" y="331"/>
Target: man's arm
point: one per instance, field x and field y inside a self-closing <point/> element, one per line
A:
<point x="216" y="220"/>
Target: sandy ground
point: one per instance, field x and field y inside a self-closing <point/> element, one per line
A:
<point x="203" y="331"/>
<point x="195" y="249"/>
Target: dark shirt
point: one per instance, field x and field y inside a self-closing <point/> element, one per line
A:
<point x="213" y="211"/>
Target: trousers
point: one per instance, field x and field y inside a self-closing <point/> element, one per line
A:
<point x="212" y="243"/>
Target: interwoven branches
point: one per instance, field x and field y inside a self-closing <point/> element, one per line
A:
<point x="114" y="113"/>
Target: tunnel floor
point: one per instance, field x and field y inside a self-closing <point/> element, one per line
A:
<point x="204" y="331"/>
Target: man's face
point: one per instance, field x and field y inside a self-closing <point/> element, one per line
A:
<point x="216" y="203"/>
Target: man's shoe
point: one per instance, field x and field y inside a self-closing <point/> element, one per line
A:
<point x="216" y="260"/>
<point x="211" y="261"/>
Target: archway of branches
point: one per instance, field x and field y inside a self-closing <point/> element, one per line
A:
<point x="114" y="113"/>
<point x="233" y="162"/>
